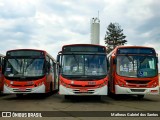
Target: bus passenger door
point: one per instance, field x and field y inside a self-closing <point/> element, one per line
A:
<point x="55" y="77"/>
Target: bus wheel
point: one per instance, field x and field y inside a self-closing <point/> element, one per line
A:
<point x="51" y="89"/>
<point x="19" y="95"/>
<point x="98" y="97"/>
<point x="67" y="97"/>
<point x="140" y="96"/>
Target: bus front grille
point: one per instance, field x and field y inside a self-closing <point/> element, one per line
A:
<point x="83" y="86"/>
<point x="21" y="85"/>
<point x="19" y="90"/>
<point x="138" y="81"/>
<point x="137" y="90"/>
<point x="77" y="91"/>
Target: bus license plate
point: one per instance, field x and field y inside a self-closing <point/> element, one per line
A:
<point x="83" y="90"/>
<point x="22" y="89"/>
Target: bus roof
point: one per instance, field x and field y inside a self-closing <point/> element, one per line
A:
<point x="93" y="48"/>
<point x="32" y="50"/>
<point x="133" y="47"/>
<point x="26" y="49"/>
<point x="83" y="45"/>
<point x="115" y="51"/>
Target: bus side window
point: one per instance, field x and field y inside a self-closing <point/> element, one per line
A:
<point x="48" y="65"/>
<point x="51" y="66"/>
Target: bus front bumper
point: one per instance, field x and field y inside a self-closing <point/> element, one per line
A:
<point x="97" y="91"/>
<point x="136" y="91"/>
<point x="39" y="89"/>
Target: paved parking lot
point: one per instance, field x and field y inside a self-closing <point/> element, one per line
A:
<point x="55" y="102"/>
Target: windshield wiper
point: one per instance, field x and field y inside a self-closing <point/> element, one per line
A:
<point x="141" y="61"/>
<point x="29" y="64"/>
<point x="75" y="60"/>
<point x="130" y="59"/>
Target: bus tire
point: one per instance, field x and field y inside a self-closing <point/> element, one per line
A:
<point x="67" y="97"/>
<point x="140" y="96"/>
<point x="51" y="89"/>
<point x="19" y="95"/>
<point x="98" y="97"/>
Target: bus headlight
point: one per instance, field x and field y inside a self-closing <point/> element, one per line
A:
<point x="66" y="85"/>
<point x="6" y="84"/>
<point x="120" y="83"/>
<point x="41" y="83"/>
<point x="103" y="84"/>
<point x="155" y="84"/>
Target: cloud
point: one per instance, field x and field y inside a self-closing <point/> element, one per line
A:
<point x="48" y="24"/>
<point x="16" y="9"/>
<point x="139" y="19"/>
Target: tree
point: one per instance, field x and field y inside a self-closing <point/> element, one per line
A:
<point x="114" y="36"/>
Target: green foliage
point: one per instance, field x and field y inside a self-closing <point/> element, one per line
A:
<point x="114" y="36"/>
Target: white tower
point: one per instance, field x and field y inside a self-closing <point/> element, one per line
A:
<point x="95" y="31"/>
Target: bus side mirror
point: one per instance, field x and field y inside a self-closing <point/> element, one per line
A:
<point x="48" y="66"/>
<point x="3" y="62"/>
<point x="59" y="59"/>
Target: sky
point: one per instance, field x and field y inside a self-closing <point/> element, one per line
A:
<point x="50" y="24"/>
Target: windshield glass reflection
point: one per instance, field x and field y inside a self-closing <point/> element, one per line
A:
<point x="136" y="66"/>
<point x="24" y="67"/>
<point x="88" y="65"/>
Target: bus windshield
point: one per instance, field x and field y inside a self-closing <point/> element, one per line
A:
<point x="28" y="67"/>
<point x="136" y="66"/>
<point x="84" y="65"/>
